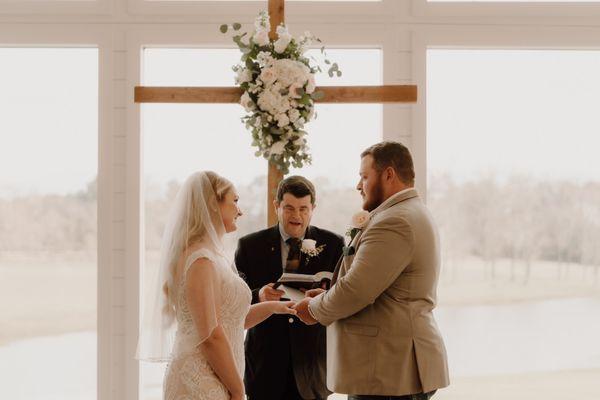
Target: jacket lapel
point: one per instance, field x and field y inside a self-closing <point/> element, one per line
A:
<point x="275" y="267"/>
<point x="392" y="201"/>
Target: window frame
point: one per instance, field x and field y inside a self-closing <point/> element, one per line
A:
<point x="61" y="36"/>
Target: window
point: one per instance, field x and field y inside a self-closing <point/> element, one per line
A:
<point x="514" y="183"/>
<point x="49" y="130"/>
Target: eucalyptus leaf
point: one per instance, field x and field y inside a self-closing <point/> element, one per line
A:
<point x="318" y="95"/>
<point x="237" y="26"/>
<point x="223" y="28"/>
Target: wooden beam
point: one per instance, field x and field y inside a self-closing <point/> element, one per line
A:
<point x="165" y="94"/>
<point x="276" y="16"/>
<point x="333" y="94"/>
<point x="273" y="178"/>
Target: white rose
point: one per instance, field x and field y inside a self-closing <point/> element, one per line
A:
<point x="268" y="76"/>
<point x="246" y="102"/>
<point x="294" y="115"/>
<point x="282" y="120"/>
<point x="264" y="58"/>
<point x="278" y="147"/>
<point x="294" y="90"/>
<point x="310" y="86"/>
<point x="309" y="244"/>
<point x="282" y="43"/>
<point x="360" y="219"/>
<point x="261" y="38"/>
<point x="243" y="75"/>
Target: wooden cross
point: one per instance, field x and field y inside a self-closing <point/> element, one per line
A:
<point x="333" y="94"/>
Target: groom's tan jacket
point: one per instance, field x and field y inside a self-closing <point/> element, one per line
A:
<point x="382" y="338"/>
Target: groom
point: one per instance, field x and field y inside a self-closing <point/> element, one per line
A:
<point x="285" y="359"/>
<point x="382" y="339"/>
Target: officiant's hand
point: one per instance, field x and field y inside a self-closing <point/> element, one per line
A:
<point x="267" y="293"/>
<point x="303" y="313"/>
<point x="314" y="292"/>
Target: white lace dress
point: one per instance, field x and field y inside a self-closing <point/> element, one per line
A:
<point x="189" y="376"/>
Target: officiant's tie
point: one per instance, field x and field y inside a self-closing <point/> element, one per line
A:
<point x="293" y="259"/>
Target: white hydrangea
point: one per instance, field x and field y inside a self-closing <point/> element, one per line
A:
<point x="247" y="103"/>
<point x="293" y="114"/>
<point x="283" y="41"/>
<point x="291" y="71"/>
<point x="262" y="22"/>
<point x="264" y="59"/>
<point x="261" y="38"/>
<point x="243" y="75"/>
<point x="282" y="120"/>
<point x="278" y="147"/>
<point x="273" y="102"/>
<point x="299" y="124"/>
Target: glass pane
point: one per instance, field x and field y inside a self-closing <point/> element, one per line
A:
<point x="514" y="182"/>
<point x="180" y="139"/>
<point x="513" y="1"/>
<point x="49" y="130"/>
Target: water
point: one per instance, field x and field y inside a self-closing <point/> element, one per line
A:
<point x="481" y="340"/>
<point x="548" y="335"/>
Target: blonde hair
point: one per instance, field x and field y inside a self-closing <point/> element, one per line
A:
<point x="195" y="225"/>
<point x="220" y="186"/>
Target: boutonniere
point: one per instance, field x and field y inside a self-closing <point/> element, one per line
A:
<point x="309" y="247"/>
<point x="358" y="223"/>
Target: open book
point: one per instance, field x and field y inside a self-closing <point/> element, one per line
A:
<point x="292" y="283"/>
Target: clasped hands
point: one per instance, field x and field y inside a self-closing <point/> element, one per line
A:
<point x="268" y="293"/>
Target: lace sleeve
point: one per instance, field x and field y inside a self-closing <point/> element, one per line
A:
<point x="202" y="282"/>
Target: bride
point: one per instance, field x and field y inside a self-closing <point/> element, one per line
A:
<point x="196" y="318"/>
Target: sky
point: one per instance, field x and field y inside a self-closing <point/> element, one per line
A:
<point x="489" y="111"/>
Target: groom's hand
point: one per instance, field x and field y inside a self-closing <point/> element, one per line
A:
<point x="267" y="293"/>
<point x="303" y="313"/>
<point x="314" y="292"/>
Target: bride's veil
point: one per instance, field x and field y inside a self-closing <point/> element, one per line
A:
<point x="194" y="218"/>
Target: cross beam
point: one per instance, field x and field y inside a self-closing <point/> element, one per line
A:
<point x="333" y="94"/>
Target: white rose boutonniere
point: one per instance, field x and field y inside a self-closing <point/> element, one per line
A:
<point x="309" y="247"/>
<point x="360" y="219"/>
<point x="358" y="223"/>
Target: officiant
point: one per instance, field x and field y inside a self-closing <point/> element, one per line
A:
<point x="285" y="359"/>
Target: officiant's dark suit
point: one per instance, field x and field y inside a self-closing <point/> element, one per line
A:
<point x="286" y="360"/>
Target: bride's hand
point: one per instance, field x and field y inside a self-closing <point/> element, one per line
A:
<point x="284" y="307"/>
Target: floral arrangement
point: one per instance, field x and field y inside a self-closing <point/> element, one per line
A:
<point x="278" y="81"/>
<point x="309" y="247"/>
